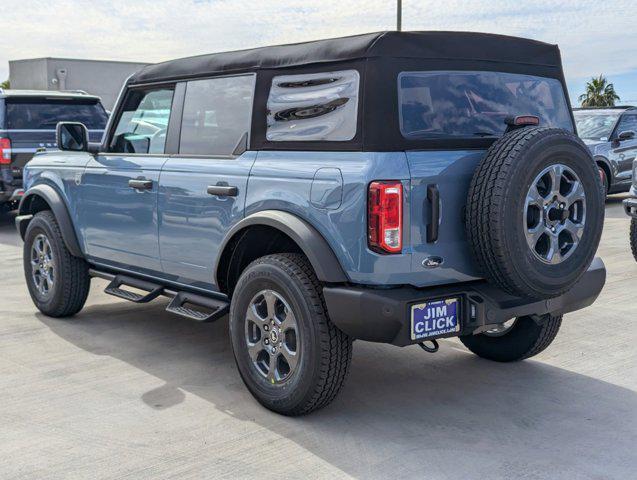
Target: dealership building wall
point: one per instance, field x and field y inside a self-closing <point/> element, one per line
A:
<point x="97" y="77"/>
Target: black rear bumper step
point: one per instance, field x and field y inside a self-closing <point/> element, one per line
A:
<point x="384" y="315"/>
<point x="153" y="289"/>
<point x="218" y="308"/>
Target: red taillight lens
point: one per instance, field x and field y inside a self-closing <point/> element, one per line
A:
<point x="5" y="151"/>
<point x="385" y="217"/>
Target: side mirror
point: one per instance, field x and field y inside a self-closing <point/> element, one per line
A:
<point x="626" y="135"/>
<point x="72" y="136"/>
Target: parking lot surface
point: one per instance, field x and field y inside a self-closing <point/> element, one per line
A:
<point x="129" y="391"/>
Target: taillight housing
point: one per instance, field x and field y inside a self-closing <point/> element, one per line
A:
<point x="5" y="151"/>
<point x="385" y="216"/>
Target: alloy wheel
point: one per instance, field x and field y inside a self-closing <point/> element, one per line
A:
<point x="42" y="264"/>
<point x="555" y="214"/>
<point x="271" y="334"/>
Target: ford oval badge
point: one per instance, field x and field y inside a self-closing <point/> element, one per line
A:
<point x="432" y="262"/>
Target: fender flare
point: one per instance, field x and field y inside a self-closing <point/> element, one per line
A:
<point x="314" y="246"/>
<point x="53" y="198"/>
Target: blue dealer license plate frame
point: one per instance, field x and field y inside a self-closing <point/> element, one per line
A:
<point x="435" y="318"/>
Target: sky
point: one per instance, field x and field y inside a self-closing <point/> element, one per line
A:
<point x="594" y="37"/>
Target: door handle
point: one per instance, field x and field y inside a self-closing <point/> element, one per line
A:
<point x="222" y="190"/>
<point x="433" y="197"/>
<point x="141" y="184"/>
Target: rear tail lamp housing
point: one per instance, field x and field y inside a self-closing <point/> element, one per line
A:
<point x="5" y="151"/>
<point x="385" y="216"/>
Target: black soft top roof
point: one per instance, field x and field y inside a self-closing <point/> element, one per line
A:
<point x="452" y="46"/>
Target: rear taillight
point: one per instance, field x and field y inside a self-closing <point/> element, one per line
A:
<point x="5" y="151"/>
<point x="385" y="216"/>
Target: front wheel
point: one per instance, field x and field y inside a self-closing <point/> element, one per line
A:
<point x="289" y="354"/>
<point x="515" y="340"/>
<point x="58" y="282"/>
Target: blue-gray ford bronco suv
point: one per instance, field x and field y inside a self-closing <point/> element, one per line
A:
<point x="388" y="187"/>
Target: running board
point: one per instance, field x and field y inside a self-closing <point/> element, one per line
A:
<point x="114" y="288"/>
<point x="218" y="308"/>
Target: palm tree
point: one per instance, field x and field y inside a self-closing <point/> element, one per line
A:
<point x="5" y="84"/>
<point x="599" y="93"/>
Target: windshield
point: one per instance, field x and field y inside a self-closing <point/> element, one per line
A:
<point x="596" y="125"/>
<point x="475" y="104"/>
<point x="32" y="114"/>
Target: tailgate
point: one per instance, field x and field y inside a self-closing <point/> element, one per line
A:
<point x="450" y="173"/>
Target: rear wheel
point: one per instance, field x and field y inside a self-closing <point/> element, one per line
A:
<point x="515" y="340"/>
<point x="290" y="356"/>
<point x="633" y="237"/>
<point x="57" y="281"/>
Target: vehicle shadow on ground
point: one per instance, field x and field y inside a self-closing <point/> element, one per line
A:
<point x="408" y="413"/>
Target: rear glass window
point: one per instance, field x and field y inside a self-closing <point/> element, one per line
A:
<point x="475" y="104"/>
<point x="316" y="106"/>
<point x="31" y="114"/>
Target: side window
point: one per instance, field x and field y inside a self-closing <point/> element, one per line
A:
<point x="143" y="123"/>
<point x="317" y="106"/>
<point x="628" y="122"/>
<point x="216" y="116"/>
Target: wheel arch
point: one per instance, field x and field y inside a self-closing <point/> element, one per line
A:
<point x="45" y="197"/>
<point x="285" y="226"/>
<point x="605" y="164"/>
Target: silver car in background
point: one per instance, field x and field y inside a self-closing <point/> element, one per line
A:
<point x="611" y="135"/>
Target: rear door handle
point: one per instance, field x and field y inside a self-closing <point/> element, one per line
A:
<point x="223" y="190"/>
<point x="433" y="196"/>
<point x="141" y="184"/>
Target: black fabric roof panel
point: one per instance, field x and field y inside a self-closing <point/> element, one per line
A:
<point x="426" y="45"/>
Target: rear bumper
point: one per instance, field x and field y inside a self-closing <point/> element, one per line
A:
<point x="384" y="316"/>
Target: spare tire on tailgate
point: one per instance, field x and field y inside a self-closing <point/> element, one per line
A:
<point x="535" y="212"/>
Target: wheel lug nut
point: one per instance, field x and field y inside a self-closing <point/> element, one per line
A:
<point x="273" y="349"/>
<point x="266" y="328"/>
<point x="266" y="341"/>
<point x="272" y="322"/>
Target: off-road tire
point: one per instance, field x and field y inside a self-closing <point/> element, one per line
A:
<point x="525" y="339"/>
<point x="72" y="281"/>
<point x="326" y="352"/>
<point x="495" y="211"/>
<point x="633" y="237"/>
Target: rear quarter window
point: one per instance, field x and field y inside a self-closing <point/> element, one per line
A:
<point x="311" y="107"/>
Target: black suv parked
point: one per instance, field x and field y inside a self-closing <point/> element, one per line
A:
<point x="611" y="135"/>
<point x="27" y="123"/>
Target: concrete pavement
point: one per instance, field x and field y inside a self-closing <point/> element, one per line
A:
<point x="129" y="391"/>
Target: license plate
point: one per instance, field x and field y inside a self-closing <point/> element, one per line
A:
<point x="437" y="317"/>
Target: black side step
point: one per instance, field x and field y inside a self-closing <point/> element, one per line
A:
<point x="114" y="289"/>
<point x="218" y="307"/>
